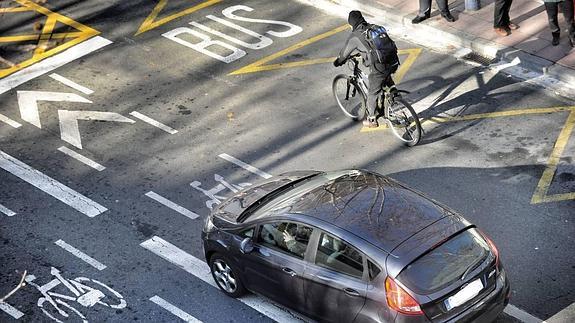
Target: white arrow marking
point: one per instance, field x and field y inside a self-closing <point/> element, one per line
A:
<point x="69" y="131"/>
<point x="28" y="103"/>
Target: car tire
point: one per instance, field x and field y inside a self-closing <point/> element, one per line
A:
<point x="226" y="276"/>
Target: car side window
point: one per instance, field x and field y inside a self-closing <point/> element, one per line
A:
<point x="339" y="256"/>
<point x="288" y="237"/>
<point x="247" y="233"/>
<point x="373" y="270"/>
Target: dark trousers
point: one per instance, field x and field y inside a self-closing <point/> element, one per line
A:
<point x="552" y="9"/>
<point x="425" y="7"/>
<point x="377" y="81"/>
<point x="501" y="13"/>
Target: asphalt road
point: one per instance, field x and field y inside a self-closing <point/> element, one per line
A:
<point x="242" y="108"/>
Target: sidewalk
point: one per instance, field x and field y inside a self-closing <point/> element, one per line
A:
<point x="529" y="47"/>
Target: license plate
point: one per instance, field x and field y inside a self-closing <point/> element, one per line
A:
<point x="467" y="293"/>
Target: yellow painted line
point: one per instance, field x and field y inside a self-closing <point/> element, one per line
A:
<point x="45" y="36"/>
<point x="406" y="65"/>
<point x="540" y="194"/>
<point x="259" y="66"/>
<point x="151" y="23"/>
<point x="15" y="9"/>
<point x="500" y="114"/>
<point x="11" y="39"/>
<point x="59" y="17"/>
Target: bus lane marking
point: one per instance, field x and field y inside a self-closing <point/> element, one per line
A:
<point x="71" y="83"/>
<point x="7" y="211"/>
<point x="173" y="309"/>
<point x="50" y="186"/>
<point x="81" y="255"/>
<point x="81" y="158"/>
<point x="178" y="208"/>
<point x="153" y="122"/>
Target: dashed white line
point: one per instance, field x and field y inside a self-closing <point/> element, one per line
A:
<point x="173" y="309"/>
<point x="153" y="122"/>
<point x="10" y="310"/>
<point x="71" y="83"/>
<point x="201" y="270"/>
<point x="50" y="186"/>
<point x="89" y="260"/>
<point x="9" y="121"/>
<point x="520" y="314"/>
<point x="52" y="63"/>
<point x="81" y="158"/>
<point x="6" y="210"/>
<point x="180" y="209"/>
<point x="245" y="166"/>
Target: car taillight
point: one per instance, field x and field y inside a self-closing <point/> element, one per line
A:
<point x="493" y="249"/>
<point x="399" y="300"/>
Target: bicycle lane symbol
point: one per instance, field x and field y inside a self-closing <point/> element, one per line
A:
<point x="212" y="193"/>
<point x="84" y="291"/>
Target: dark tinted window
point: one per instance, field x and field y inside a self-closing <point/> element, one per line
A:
<point x="446" y="263"/>
<point x="247" y="233"/>
<point x="337" y="255"/>
<point x="287" y="237"/>
<point x="373" y="270"/>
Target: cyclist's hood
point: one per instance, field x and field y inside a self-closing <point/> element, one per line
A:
<point x="355" y="19"/>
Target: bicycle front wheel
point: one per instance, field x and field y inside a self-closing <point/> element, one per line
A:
<point x="349" y="97"/>
<point x="404" y="122"/>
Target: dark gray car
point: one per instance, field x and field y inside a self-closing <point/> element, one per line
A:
<point x="354" y="246"/>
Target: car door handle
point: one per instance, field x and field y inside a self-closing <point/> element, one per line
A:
<point x="289" y="271"/>
<point x="351" y="292"/>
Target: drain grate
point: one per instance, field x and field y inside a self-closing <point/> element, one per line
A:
<point x="474" y="57"/>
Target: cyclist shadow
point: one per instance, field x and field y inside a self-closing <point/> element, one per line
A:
<point x="449" y="104"/>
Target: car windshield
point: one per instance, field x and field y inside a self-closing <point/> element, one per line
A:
<point x="280" y="202"/>
<point x="445" y="264"/>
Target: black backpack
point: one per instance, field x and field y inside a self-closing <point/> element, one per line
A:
<point x="382" y="47"/>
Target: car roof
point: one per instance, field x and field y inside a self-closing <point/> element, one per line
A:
<point x="368" y="205"/>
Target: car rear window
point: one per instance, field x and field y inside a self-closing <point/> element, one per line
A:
<point x="445" y="264"/>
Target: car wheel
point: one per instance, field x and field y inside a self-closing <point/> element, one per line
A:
<point x="226" y="277"/>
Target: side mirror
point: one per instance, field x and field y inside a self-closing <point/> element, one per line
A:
<point x="247" y="246"/>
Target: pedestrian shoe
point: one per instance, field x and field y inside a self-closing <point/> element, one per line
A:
<point x="419" y="19"/>
<point x="555" y="40"/>
<point x="513" y="26"/>
<point x="448" y="16"/>
<point x="370" y="122"/>
<point x="502" y="31"/>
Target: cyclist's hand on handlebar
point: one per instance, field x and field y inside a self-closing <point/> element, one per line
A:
<point x="338" y="63"/>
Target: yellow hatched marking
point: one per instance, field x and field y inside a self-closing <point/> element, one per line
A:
<point x="259" y="66"/>
<point x="45" y="36"/>
<point x="151" y="23"/>
<point x="19" y="38"/>
<point x="15" y="9"/>
<point x="413" y="53"/>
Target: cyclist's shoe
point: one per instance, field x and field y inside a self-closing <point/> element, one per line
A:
<point x="394" y="92"/>
<point x="370" y="122"/>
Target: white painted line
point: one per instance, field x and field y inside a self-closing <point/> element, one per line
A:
<point x="180" y="209"/>
<point x="201" y="270"/>
<point x="52" y="63"/>
<point x="71" y="83"/>
<point x="81" y="158"/>
<point x="565" y="315"/>
<point x="9" y="121"/>
<point x="153" y="122"/>
<point x="6" y="210"/>
<point x="50" y="186"/>
<point x="12" y="311"/>
<point x="91" y="261"/>
<point x="245" y="166"/>
<point x="174" y="310"/>
<point x="520" y="314"/>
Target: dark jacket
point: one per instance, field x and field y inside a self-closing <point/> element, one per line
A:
<point x="356" y="44"/>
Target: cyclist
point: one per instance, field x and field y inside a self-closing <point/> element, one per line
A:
<point x="379" y="74"/>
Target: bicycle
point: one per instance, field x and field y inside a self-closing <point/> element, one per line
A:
<point x="350" y="92"/>
<point x="83" y="294"/>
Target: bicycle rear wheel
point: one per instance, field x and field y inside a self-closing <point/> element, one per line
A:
<point x="349" y="97"/>
<point x="404" y="122"/>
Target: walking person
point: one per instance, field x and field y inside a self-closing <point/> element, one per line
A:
<point x="552" y="9"/>
<point x="501" y="22"/>
<point x="425" y="11"/>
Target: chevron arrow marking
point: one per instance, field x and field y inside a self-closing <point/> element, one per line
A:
<point x="28" y="103"/>
<point x="69" y="131"/>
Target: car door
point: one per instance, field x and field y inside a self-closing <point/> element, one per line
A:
<point x="276" y="265"/>
<point x="334" y="282"/>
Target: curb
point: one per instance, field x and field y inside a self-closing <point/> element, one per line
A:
<point x="525" y="66"/>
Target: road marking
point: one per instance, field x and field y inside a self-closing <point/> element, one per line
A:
<point x="201" y="270"/>
<point x="89" y="260"/>
<point x="81" y="158"/>
<point x="520" y="314"/>
<point x="150" y="22"/>
<point x="565" y="315"/>
<point x="7" y="211"/>
<point x="9" y="121"/>
<point x="153" y="122"/>
<point x="50" y="186"/>
<point x="412" y="53"/>
<point x="259" y="65"/>
<point x="69" y="130"/>
<point x="28" y="103"/>
<point x="180" y="209"/>
<point x="245" y="166"/>
<point x="10" y="310"/>
<point x="71" y="83"/>
<point x="173" y="309"/>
